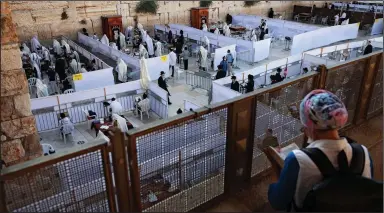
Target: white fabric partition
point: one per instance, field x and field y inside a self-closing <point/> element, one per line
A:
<point x="190" y="105"/>
<point x="310" y="60"/>
<point x="323" y="37"/>
<point x="156" y="65"/>
<point x="220" y="52"/>
<point x="222" y="93"/>
<point x="95" y="79"/>
<point x="158" y="100"/>
<point x="261" y="49"/>
<point x="377" y="27"/>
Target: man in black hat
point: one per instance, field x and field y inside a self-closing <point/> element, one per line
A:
<point x="234" y="85"/>
<point x="277" y="77"/>
<point x="163" y="84"/>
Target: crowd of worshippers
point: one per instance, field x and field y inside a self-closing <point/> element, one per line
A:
<point x="52" y="67"/>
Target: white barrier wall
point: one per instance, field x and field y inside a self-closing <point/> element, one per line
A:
<point x="94" y="79"/>
<point x="158" y="100"/>
<point x="323" y="37"/>
<point x="377" y="27"/>
<point x="220" y="52"/>
<point x="222" y="93"/>
<point x="190" y="105"/>
<point x="156" y="65"/>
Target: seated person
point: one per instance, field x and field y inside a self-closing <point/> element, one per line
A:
<point x="115" y="107"/>
<point x="220" y="73"/>
<point x="305" y="70"/>
<point x="143" y="104"/>
<point x="66" y="126"/>
<point x="235" y="84"/>
<point x="250" y="84"/>
<point x="277" y="77"/>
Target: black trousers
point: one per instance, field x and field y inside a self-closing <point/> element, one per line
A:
<point x="173" y="70"/>
<point x="185" y="64"/>
<point x="178" y="57"/>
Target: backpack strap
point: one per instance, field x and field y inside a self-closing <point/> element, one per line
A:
<point x="321" y="160"/>
<point x="358" y="159"/>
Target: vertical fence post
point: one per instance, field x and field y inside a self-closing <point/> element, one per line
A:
<point x="120" y="168"/>
<point x="320" y="79"/>
<point x="367" y="85"/>
<point x="134" y="173"/>
<point x="108" y="179"/>
<point x="3" y="206"/>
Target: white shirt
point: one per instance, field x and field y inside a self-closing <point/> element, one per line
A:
<point x="172" y="58"/>
<point x="336" y="18"/>
<point x="344" y="15"/>
<point x="116" y="107"/>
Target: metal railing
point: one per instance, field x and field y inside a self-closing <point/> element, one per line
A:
<point x="187" y="161"/>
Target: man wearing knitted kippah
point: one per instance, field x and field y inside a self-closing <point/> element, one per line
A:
<point x="322" y="115"/>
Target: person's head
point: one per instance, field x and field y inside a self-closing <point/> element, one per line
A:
<point x="233" y="78"/>
<point x="179" y="111"/>
<point x="162" y="74"/>
<point x="322" y="113"/>
<point x="145" y="96"/>
<point x="94" y="33"/>
<point x="82" y="65"/>
<point x="269" y="132"/>
<point x="21" y="48"/>
<point x="305" y="69"/>
<point x="262" y="20"/>
<point x="250" y="77"/>
<point x="369" y="42"/>
<point x="228" y="51"/>
<point x="84" y="30"/>
<point x="224" y="59"/>
<point x="185" y="48"/>
<point x="113" y="99"/>
<point x="62" y="115"/>
<point x="271" y="9"/>
<point x="278" y="70"/>
<point x="93" y="61"/>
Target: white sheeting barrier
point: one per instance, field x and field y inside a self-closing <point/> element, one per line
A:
<point x="377" y="27"/>
<point x="156" y="65"/>
<point x="94" y="79"/>
<point x="158" y="100"/>
<point x="222" y="93"/>
<point x="188" y="105"/>
<point x="323" y="37"/>
<point x="220" y="52"/>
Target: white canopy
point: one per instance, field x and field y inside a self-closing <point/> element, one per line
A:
<point x="144" y="75"/>
<point x="123" y="44"/>
<point x="104" y="40"/>
<point x="122" y="70"/>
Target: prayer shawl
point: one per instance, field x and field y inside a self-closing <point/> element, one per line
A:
<point x="150" y="45"/>
<point x="143" y="51"/>
<point x="26" y="49"/>
<point x="121" y="70"/>
<point x="46" y="53"/>
<point x="254" y="38"/>
<point x="144" y="75"/>
<point x="35" y="44"/>
<point x="57" y="47"/>
<point x="41" y="89"/>
<point x="76" y="56"/>
<point x="206" y="41"/>
<point x="158" y="49"/>
<point x="128" y="32"/>
<point x="37" y="67"/>
<point x="113" y="45"/>
<point x="123" y="44"/>
<point x="144" y="35"/>
<point x="203" y="55"/>
<point x="75" y="66"/>
<point x="121" y="122"/>
<point x="205" y="28"/>
<point x="217" y="32"/>
<point x="139" y="26"/>
<point x="104" y="40"/>
<point x="35" y="58"/>
<point x="67" y="48"/>
<point x="66" y="126"/>
<point x="227" y="31"/>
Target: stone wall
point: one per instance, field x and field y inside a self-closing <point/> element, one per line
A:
<point x="19" y="139"/>
<point x="43" y="18"/>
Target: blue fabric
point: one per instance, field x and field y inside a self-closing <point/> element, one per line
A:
<point x="229" y="58"/>
<point x="280" y="194"/>
<point x="224" y="65"/>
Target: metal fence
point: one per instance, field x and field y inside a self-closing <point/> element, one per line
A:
<point x="184" y="162"/>
<point x="158" y="105"/>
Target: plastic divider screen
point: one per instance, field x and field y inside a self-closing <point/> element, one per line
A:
<point x="184" y="164"/>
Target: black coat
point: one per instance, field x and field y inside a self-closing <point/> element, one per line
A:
<point x="162" y="84"/>
<point x="276" y="78"/>
<point x="220" y="74"/>
<point x="368" y="49"/>
<point x="250" y="86"/>
<point x="235" y="86"/>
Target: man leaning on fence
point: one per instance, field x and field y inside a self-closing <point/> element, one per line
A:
<point x="162" y="84"/>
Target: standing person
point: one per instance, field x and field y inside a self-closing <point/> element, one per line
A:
<point x="343" y="17"/>
<point x="368" y="48"/>
<point x="115" y="107"/>
<point x="250" y="84"/>
<point x="181" y="38"/>
<point x="337" y="19"/>
<point x="322" y="114"/>
<point x="158" y="51"/>
<point x="52" y="85"/>
<point x="185" y="56"/>
<point x="224" y="65"/>
<point x="234" y="84"/>
<point x="326" y="5"/>
<point x="60" y="68"/>
<point x="179" y="50"/>
<point x="271" y="13"/>
<point x="230" y="60"/>
<point x="172" y="61"/>
<point x="163" y="84"/>
<point x="170" y="36"/>
<point x="121" y="70"/>
<point x="202" y="58"/>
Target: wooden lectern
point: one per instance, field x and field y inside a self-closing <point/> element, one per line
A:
<point x="198" y="14"/>
<point x="110" y="24"/>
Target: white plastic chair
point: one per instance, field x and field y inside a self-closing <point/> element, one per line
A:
<point x="324" y="21"/>
<point x="65" y="136"/>
<point x="69" y="91"/>
<point x="31" y="84"/>
<point x="89" y="118"/>
<point x="296" y="18"/>
<point x="144" y="108"/>
<point x="47" y="149"/>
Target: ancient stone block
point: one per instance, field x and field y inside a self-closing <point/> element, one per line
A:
<point x="7" y="108"/>
<point x="19" y="128"/>
<point x="13" y="82"/>
<point x="10" y="57"/>
<point x="32" y="146"/>
<point x="12" y="151"/>
<point x="8" y="32"/>
<point x="22" y="105"/>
